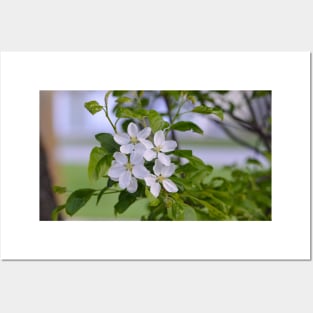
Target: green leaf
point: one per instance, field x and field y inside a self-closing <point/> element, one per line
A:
<point x="194" y="161"/>
<point x="103" y="165"/>
<point x="207" y="110"/>
<point x="125" y="125"/>
<point x="77" y="200"/>
<point x="183" y="153"/>
<point x="144" y="102"/>
<point x="218" y="182"/>
<point x="213" y="212"/>
<point x="111" y="182"/>
<point x="93" y="107"/>
<point x="252" y="208"/>
<point x="175" y="210"/>
<point x="125" y="200"/>
<point x="122" y="112"/>
<point x="122" y="100"/>
<point x="189" y="213"/>
<point x="254" y="162"/>
<point x="201" y="175"/>
<point x="192" y="99"/>
<point x="173" y="93"/>
<point x="96" y="155"/>
<point x="184" y="126"/>
<point x="56" y="211"/>
<point x="101" y="194"/>
<point x="59" y="189"/>
<point x="156" y="121"/>
<point x="107" y="142"/>
<point x="119" y="93"/>
<point x="260" y="93"/>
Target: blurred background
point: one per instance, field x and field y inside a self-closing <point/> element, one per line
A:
<point x="67" y="133"/>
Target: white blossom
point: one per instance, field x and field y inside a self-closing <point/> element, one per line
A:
<point x="162" y="172"/>
<point x="134" y="140"/>
<point x="125" y="169"/>
<point x="159" y="148"/>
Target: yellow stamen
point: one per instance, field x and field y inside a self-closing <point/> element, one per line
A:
<point x="133" y="140"/>
<point x="129" y="166"/>
<point x="157" y="149"/>
<point x="160" y="179"/>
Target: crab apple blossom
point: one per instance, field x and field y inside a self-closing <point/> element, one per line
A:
<point x="134" y="140"/>
<point x="160" y="147"/>
<point x="125" y="169"/>
<point x="162" y="172"/>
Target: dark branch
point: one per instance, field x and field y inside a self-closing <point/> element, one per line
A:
<point x="237" y="139"/>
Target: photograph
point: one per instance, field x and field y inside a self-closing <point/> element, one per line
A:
<point x="155" y="155"/>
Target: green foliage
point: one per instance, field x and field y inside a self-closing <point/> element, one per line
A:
<point x="156" y="121"/>
<point x="77" y="200"/>
<point x="55" y="213"/>
<point x="261" y="93"/>
<point x="107" y="142"/>
<point x="206" y="110"/>
<point x="93" y="107"/>
<point x="244" y="195"/>
<point x="96" y="155"/>
<point x="184" y="126"/>
<point x="122" y="112"/>
<point x="125" y="200"/>
<point x="59" y="189"/>
<point x="103" y="166"/>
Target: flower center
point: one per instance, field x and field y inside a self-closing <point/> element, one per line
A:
<point x="157" y="149"/>
<point x="160" y="179"/>
<point x="133" y="140"/>
<point x="129" y="166"/>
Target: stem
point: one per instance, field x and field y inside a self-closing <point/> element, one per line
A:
<point x="178" y="111"/>
<point x="106" y="110"/>
<point x="110" y="192"/>
<point x="169" y="110"/>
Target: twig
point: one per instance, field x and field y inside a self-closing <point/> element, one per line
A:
<point x="169" y="111"/>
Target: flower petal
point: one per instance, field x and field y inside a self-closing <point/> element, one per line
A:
<point x="169" y="145"/>
<point x="157" y="168"/>
<point x="136" y="158"/>
<point x="144" y="133"/>
<point x="148" y="144"/>
<point x="116" y="170"/>
<point x="165" y="159"/>
<point x="155" y="189"/>
<point x="149" y="155"/>
<point x="132" y="187"/>
<point x="140" y="148"/>
<point x="132" y="130"/>
<point x="169" y="185"/>
<point x="159" y="138"/>
<point x="139" y="171"/>
<point x="168" y="171"/>
<point x="120" y="158"/>
<point x="150" y="179"/>
<point x="121" y="138"/>
<point x="125" y="179"/>
<point x="127" y="148"/>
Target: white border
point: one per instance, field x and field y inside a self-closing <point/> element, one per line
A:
<point x="23" y="236"/>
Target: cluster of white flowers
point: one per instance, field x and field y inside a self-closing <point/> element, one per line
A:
<point x="129" y="164"/>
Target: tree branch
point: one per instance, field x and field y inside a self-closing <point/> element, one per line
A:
<point x="237" y="139"/>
